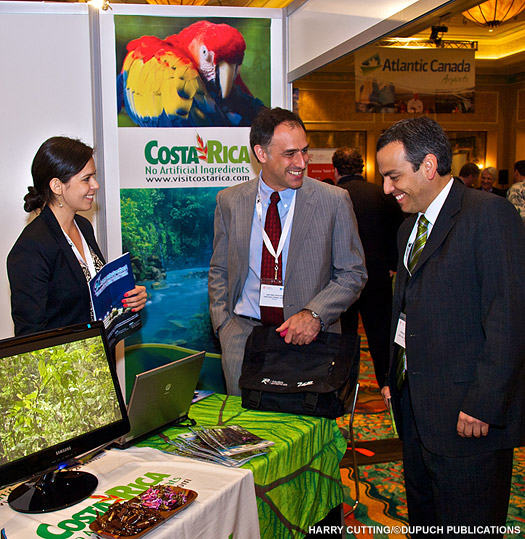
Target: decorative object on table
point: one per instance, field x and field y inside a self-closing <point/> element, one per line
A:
<point x="140" y="515"/>
<point x="316" y="379"/>
<point x="228" y="445"/>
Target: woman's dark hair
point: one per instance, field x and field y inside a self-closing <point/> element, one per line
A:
<point x="58" y="157"/>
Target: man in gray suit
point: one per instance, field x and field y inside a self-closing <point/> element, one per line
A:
<point x="319" y="263"/>
<point x="457" y="374"/>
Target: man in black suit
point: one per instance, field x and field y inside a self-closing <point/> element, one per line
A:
<point x="469" y="174"/>
<point x="457" y="374"/>
<point x="378" y="219"/>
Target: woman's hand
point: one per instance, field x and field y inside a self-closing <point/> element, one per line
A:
<point x="135" y="299"/>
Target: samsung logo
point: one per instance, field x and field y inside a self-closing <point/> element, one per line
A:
<point x="60" y="451"/>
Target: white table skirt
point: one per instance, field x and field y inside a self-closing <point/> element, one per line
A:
<point x="225" y="504"/>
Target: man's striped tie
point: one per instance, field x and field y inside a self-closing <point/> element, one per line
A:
<point x="419" y="244"/>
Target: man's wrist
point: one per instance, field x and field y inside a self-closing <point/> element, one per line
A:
<point x="315" y="316"/>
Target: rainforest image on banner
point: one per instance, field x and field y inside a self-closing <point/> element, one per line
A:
<point x="169" y="235"/>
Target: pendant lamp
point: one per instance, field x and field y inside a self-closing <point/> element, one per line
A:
<point x="494" y="12"/>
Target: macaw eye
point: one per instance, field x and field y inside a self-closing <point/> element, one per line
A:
<point x="204" y="52"/>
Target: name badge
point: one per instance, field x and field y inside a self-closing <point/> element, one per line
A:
<point x="399" y="337"/>
<point x="271" y="295"/>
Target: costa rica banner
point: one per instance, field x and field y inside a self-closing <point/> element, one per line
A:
<point x="393" y="79"/>
<point x="188" y="85"/>
<point x="206" y="157"/>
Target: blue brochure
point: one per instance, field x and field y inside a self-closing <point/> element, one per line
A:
<point x="107" y="290"/>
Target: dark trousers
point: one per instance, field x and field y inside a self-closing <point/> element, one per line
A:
<point x="375" y="306"/>
<point x="453" y="492"/>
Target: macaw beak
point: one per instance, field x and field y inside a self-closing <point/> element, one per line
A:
<point x="226" y="74"/>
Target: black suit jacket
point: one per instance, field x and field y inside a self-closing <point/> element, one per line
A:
<point x="378" y="218"/>
<point x="465" y="307"/>
<point x="48" y="287"/>
<point x="496" y="191"/>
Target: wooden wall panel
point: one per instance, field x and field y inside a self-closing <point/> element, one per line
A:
<point x="521" y="105"/>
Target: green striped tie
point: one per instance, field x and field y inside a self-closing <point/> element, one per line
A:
<point x="419" y="244"/>
<point x="417" y="248"/>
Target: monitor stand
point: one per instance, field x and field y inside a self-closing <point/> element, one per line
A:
<point x="52" y="491"/>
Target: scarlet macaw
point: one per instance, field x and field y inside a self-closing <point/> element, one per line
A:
<point x="188" y="79"/>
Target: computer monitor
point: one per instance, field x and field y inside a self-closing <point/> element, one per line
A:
<point x="59" y="399"/>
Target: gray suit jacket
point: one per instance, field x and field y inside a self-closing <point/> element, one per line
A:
<point x="465" y="307"/>
<point x="325" y="270"/>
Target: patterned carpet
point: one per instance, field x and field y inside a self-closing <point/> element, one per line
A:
<point x="382" y="502"/>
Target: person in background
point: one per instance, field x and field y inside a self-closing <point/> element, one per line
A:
<point x="56" y="254"/>
<point x="469" y="174"/>
<point x="309" y="258"/>
<point x="516" y="192"/>
<point x="457" y="371"/>
<point x="489" y="175"/>
<point x="415" y="104"/>
<point x="378" y="219"/>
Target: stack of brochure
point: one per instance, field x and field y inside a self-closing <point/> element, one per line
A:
<point x="228" y="445"/>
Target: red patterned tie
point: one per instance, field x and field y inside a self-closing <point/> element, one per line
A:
<point x="272" y="316"/>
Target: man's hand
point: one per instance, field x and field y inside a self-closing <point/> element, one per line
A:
<point x="385" y="393"/>
<point x="469" y="426"/>
<point x="301" y="328"/>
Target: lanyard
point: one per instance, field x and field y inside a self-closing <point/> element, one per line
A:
<point x="89" y="259"/>
<point x="284" y="233"/>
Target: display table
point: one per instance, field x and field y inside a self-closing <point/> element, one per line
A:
<point x="225" y="506"/>
<point x="298" y="482"/>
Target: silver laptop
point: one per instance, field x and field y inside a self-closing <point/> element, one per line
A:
<point x="162" y="395"/>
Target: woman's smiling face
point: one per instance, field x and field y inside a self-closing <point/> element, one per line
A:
<point x="78" y="193"/>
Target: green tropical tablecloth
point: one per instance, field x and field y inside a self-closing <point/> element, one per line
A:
<point x="298" y="482"/>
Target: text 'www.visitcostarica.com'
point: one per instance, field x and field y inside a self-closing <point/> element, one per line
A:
<point x="404" y="530"/>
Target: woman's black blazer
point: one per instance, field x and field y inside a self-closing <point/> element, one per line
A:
<point x="48" y="287"/>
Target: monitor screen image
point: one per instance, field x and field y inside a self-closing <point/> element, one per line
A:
<point x="59" y="399"/>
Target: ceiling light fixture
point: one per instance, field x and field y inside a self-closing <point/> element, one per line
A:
<point x="494" y="12"/>
<point x="436" y="35"/>
<point x="100" y="4"/>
